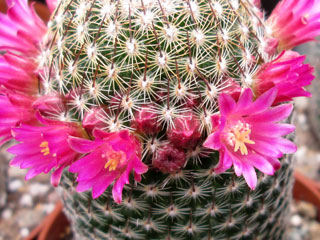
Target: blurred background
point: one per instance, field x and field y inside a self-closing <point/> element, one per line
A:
<point x="23" y="205"/>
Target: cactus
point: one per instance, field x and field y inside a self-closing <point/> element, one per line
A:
<point x="165" y="58"/>
<point x="191" y="96"/>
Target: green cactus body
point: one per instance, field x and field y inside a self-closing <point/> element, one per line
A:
<point x="195" y="204"/>
<point x="123" y="55"/>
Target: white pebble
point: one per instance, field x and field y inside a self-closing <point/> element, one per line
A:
<point x="15" y="185"/>
<point x="301" y="153"/>
<point x="296" y="220"/>
<point x="6" y="214"/>
<point x="38" y="189"/>
<point x="48" y="208"/>
<point x="16" y="172"/>
<point x="24" y="232"/>
<point x="301" y="103"/>
<point x="302" y="118"/>
<point x="26" y="200"/>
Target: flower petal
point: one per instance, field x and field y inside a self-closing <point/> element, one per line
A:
<point x="226" y="104"/>
<point x="118" y="186"/>
<point x="260" y="163"/>
<point x="225" y="161"/>
<point x="245" y="99"/>
<point x="101" y="184"/>
<point x="274" y="114"/>
<point x="82" y="145"/>
<point x="139" y="166"/>
<point x="262" y="103"/>
<point x="285" y="145"/>
<point x="213" y="141"/>
<point x="56" y="176"/>
<point x="249" y="175"/>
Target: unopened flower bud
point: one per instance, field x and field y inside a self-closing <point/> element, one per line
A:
<point x="145" y="121"/>
<point x="185" y="131"/>
<point x="192" y="101"/>
<point x="232" y="88"/>
<point x="169" y="159"/>
<point x="92" y="119"/>
<point x="271" y="46"/>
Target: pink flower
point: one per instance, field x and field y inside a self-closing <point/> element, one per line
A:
<point x="249" y="136"/>
<point x="287" y="73"/>
<point x="15" y="110"/>
<point x="21" y="29"/>
<point x="112" y="157"/>
<point x="52" y="4"/>
<point x="17" y="73"/>
<point x="185" y="133"/>
<point x="295" y="22"/>
<point x="44" y="148"/>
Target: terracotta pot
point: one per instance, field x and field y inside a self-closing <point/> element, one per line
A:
<point x="53" y="227"/>
<point x="56" y="225"/>
<point x="308" y="190"/>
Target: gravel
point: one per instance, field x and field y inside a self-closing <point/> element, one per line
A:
<point x="26" y="203"/>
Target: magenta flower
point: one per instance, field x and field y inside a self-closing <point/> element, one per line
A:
<point x="295" y="22"/>
<point x="21" y="29"/>
<point x="287" y="73"/>
<point x="52" y="4"/>
<point x="112" y="157"/>
<point x="17" y="73"/>
<point x="249" y="136"/>
<point x="15" y="110"/>
<point x="44" y="148"/>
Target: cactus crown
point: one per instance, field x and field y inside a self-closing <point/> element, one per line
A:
<point x="173" y="56"/>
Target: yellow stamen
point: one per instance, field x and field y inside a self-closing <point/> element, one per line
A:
<point x="46" y="149"/>
<point x="114" y="158"/>
<point x="305" y="18"/>
<point x="241" y="138"/>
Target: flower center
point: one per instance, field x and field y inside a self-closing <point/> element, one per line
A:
<point x="238" y="136"/>
<point x="46" y="149"/>
<point x="114" y="158"/>
<point x="305" y="19"/>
